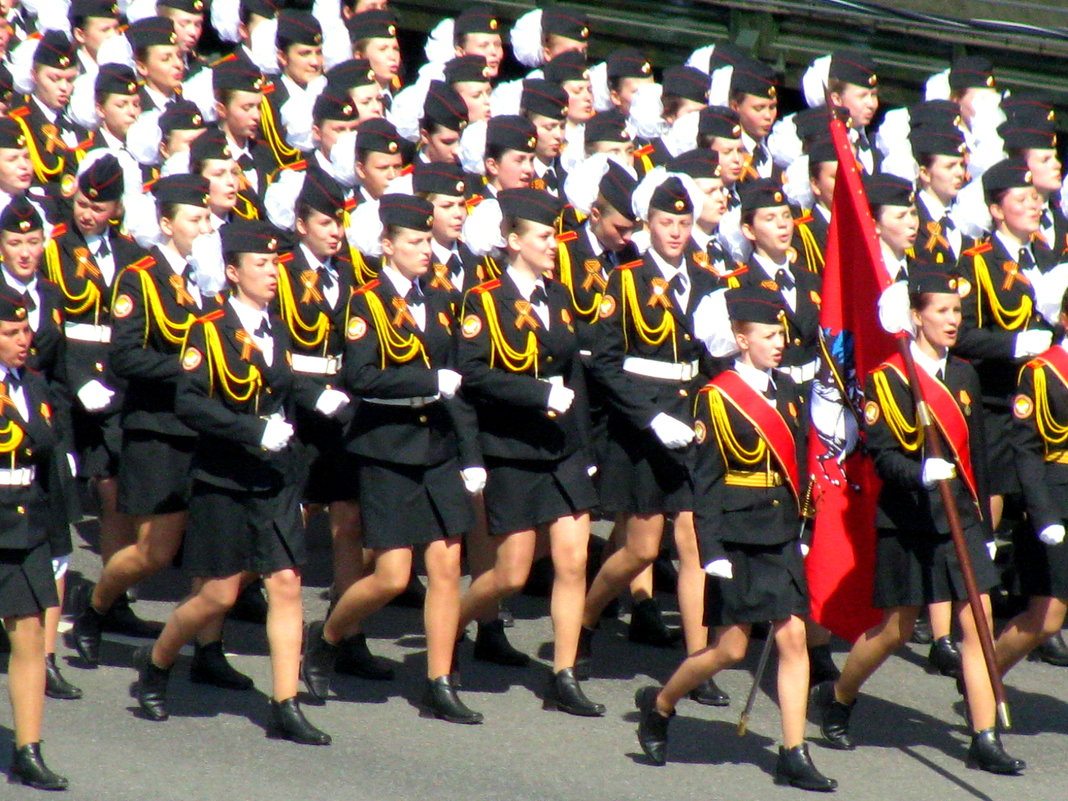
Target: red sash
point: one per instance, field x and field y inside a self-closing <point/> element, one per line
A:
<point x="1056" y="358"/>
<point x="767" y="421"/>
<point x="947" y="416"/>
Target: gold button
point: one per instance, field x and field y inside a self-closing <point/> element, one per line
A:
<point x="797" y="340"/>
<point x="549" y="359"/>
<point x="683" y="393"/>
<point x="775" y="502"/>
<point x="33" y="351"/>
<point x="686" y="337"/>
<point x="268" y="390"/>
<point x="29" y="452"/>
<point x="21" y="510"/>
<point x="99" y="367"/>
<point x="422" y="418"/>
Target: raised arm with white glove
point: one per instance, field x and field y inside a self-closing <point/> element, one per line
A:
<point x="448" y="382"/>
<point x="1031" y="343"/>
<point x="673" y="433"/>
<point x="1052" y="535"/>
<point x="935" y="470"/>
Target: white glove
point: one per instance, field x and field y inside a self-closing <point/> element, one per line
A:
<point x="276" y="434"/>
<point x="330" y="402"/>
<point x="591" y="471"/>
<point x="448" y="382"/>
<point x="1031" y="343"/>
<point x="73" y="463"/>
<point x="720" y="568"/>
<point x="560" y="398"/>
<point x="474" y="479"/>
<point x="1052" y="535"/>
<point x="673" y="433"/>
<point x="935" y="470"/>
<point x="804" y="549"/>
<point x="992" y="549"/>
<point x="94" y="396"/>
<point x="894" y="312"/>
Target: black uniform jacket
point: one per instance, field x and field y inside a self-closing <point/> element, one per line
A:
<point x="388" y="357"/>
<point x="803" y="321"/>
<point x="508" y="358"/>
<point x="1040" y="412"/>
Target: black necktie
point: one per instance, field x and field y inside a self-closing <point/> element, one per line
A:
<point x="28" y="301"/>
<point x="264" y="329"/>
<point x="679" y="282"/>
<point x="760" y="155"/>
<point x="550" y="179"/>
<point x="784" y="279"/>
<point x="102" y="250"/>
<point x="769" y="392"/>
<point x="715" y="254"/>
<point x="326" y="277"/>
<point x="940" y="375"/>
<point x="1025" y="259"/>
<point x="539" y="296"/>
<point x="1047" y="218"/>
<point x="246" y="163"/>
<point x="862" y="141"/>
<point x="455" y="264"/>
<point x="414" y="297"/>
<point x="190" y="275"/>
<point x="947" y="223"/>
<point x="387" y="101"/>
<point x="14" y="381"/>
<point x="610" y="259"/>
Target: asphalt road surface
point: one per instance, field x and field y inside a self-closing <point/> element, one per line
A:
<point x="913" y="740"/>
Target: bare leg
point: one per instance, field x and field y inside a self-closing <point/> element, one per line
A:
<point x="515" y="552"/>
<point x="211" y="600"/>
<point x="393" y="567"/>
<point x="691" y="584"/>
<point x="441" y="613"/>
<point x="26" y="677"/>
<point x="158" y="538"/>
<point x="792" y="679"/>
<point x="569" y="537"/>
<point x="285" y="626"/>
<point x="639" y="551"/>
<point x="980" y="694"/>
<point x="941" y="614"/>
<point x="997" y="506"/>
<point x="729" y="648"/>
<point x="816" y="634"/>
<point x="116" y="528"/>
<point x="1042" y="619"/>
<point x="52" y="615"/>
<point x="872" y="649"/>
<point x="346" y="536"/>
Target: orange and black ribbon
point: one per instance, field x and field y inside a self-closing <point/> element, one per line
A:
<point x="178" y="285"/>
<point x="525" y="315"/>
<point x="400" y="306"/>
<point x="660" y="297"/>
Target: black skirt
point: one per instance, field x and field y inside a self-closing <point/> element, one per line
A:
<point x="640" y="476"/>
<point x="918" y="568"/>
<point x="404" y="505"/>
<point x="154" y="473"/>
<point x="27" y="585"/>
<point x="1000" y="457"/>
<point x="768" y="584"/>
<point x="233" y="531"/>
<point x="332" y="472"/>
<point x="98" y="443"/>
<point x="521" y="495"/>
<point x="1041" y="570"/>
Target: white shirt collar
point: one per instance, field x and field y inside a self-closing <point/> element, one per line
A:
<point x="930" y="365"/>
<point x="1011" y="243"/>
<point x="760" y="380"/>
<point x="399" y="282"/>
<point x="112" y="141"/>
<point x="157" y="97"/>
<point x="236" y="151"/>
<point x="174" y="258"/>
<point x="524" y="283"/>
<point x="894" y="265"/>
<point x="595" y="243"/>
<point x="934" y="206"/>
<point x="700" y="237"/>
<point x="441" y="253"/>
<point x="314" y="262"/>
<point x="770" y="267"/>
<point x="823" y="211"/>
<point x="250" y="318"/>
<point x="18" y="284"/>
<point x="666" y="269"/>
<point x="49" y="113"/>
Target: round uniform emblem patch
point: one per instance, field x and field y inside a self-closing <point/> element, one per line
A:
<point x="607" y="307"/>
<point x="357" y="328"/>
<point x="871" y="413"/>
<point x="1022" y="407"/>
<point x="191" y="359"/>
<point x="699" y="430"/>
<point x="123" y="306"/>
<point x="472" y="326"/>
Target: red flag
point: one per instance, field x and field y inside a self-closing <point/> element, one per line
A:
<point x="840" y="565"/>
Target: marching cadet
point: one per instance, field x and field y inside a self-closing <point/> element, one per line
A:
<point x="719" y="129"/>
<point x="373" y="35"/>
<point x="1035" y="142"/>
<point x="378" y="157"/>
<point x="187" y="16"/>
<point x="649" y="361"/>
<point x="211" y="158"/>
<point x="415" y="442"/>
<point x="452" y="265"/>
<point x="751" y="427"/>
<point x="546" y="106"/>
<point x="915" y="562"/>
<point x="705" y="249"/>
<point x="754" y="95"/>
<point x="626" y="69"/>
<point x="157" y="60"/>
<point x="27" y="587"/>
<point x="236" y="391"/>
<point x="509" y="156"/>
<point x="685" y="91"/>
<point x="469" y="76"/>
<point x="299" y="45"/>
<point x="519" y="359"/>
<point x="1001" y="324"/>
<point x="179" y="125"/>
<point x="118" y="105"/>
<point x="607" y="133"/>
<point x="444" y="119"/>
<point x="356" y="78"/>
<point x="569" y="72"/>
<point x="92" y="22"/>
<point x="477" y="31"/>
<point x="942" y="156"/>
<point x="333" y="114"/>
<point x="238" y="87"/>
<point x="811" y="227"/>
<point x="973" y="87"/>
<point x="156" y="300"/>
<point x="853" y="84"/>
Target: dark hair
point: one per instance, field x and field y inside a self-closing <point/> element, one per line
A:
<point x="495" y="152"/>
<point x="166" y="209"/>
<point x="432" y="127"/>
<point x="1064" y="302"/>
<point x="815" y="167"/>
<point x="671" y="104"/>
<point x="836" y="86"/>
<point x="748" y="216"/>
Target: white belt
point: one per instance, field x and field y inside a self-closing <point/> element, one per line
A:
<point x="667" y="371"/>
<point x="84" y="332"/>
<point x="801" y="373"/>
<point x="19" y="477"/>
<point x="318" y="365"/>
<point x="413" y="403"/>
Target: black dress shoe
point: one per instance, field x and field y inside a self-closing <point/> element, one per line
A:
<point x="210" y="666"/>
<point x="584" y="655"/>
<point x="289" y="723"/>
<point x="354" y="658"/>
<point x="566" y="694"/>
<point x="121" y="619"/>
<point x="55" y="685"/>
<point x="413" y="596"/>
<point x="251" y="604"/>
<point x="821" y="665"/>
<point x="921" y="632"/>
<point x="1053" y="651"/>
<point x="652" y="726"/>
<point x="151" y="690"/>
<point x="318" y="663"/>
<point x="611" y="610"/>
<point x="944" y="658"/>
<point x="710" y="694"/>
<point x="504" y="614"/>
<point x="28" y="767"/>
<point x="794" y="767"/>
<point x="86" y="634"/>
<point x="647" y="626"/>
<point x="834" y="717"/>
<point x="441" y="701"/>
<point x="491" y="645"/>
<point x="986" y="753"/>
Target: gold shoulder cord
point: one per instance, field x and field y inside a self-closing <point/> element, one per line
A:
<point x="283" y="153"/>
<point x="239" y="389"/>
<point x="493" y="270"/>
<point x="11" y="436"/>
<point x="648" y="334"/>
<point x="729" y="446"/>
<point x="44" y="174"/>
<point x="513" y="360"/>
<point x="567" y="278"/>
<point x="1009" y="320"/>
<point x="908" y="435"/>
<point x="87" y="298"/>
<point x="173" y="332"/>
<point x="813" y="256"/>
<point x="308" y="336"/>
<point x="399" y="348"/>
<point x="1052" y="432"/>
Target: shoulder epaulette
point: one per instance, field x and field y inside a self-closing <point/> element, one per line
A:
<point x="285" y="258"/>
<point x="645" y="150"/>
<point x="474" y="200"/>
<point x="707" y="387"/>
<point x="804" y="219"/>
<point x="374" y="282"/>
<point x="630" y="265"/>
<point x="268" y="87"/>
<point x="408" y="170"/>
<point x="567" y="236"/>
<point x="143" y="263"/>
<point x="211" y="317"/>
<point x="223" y="60"/>
<point x="19" y="112"/>
<point x="739" y="269"/>
<point x="487" y="286"/>
<point x="58" y="230"/>
<point x="981" y="247"/>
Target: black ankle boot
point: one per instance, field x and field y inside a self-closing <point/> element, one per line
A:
<point x="354" y="658"/>
<point x="55" y="685"/>
<point x="834" y="717"/>
<point x="794" y="767"/>
<point x="647" y="626"/>
<point x="944" y="658"/>
<point x="251" y="605"/>
<point x="821" y="666"/>
<point x="121" y="619"/>
<point x="210" y="666"/>
<point x="566" y="694"/>
<point x="921" y="632"/>
<point x="491" y="645"/>
<point x="318" y="662"/>
<point x="710" y="694"/>
<point x="652" y="726"/>
<point x="441" y="701"/>
<point x="151" y="685"/>
<point x="584" y="655"/>
<point x="289" y="723"/>
<point x="1053" y="651"/>
<point x="986" y="753"/>
<point x="28" y="767"/>
<point x="86" y="634"/>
